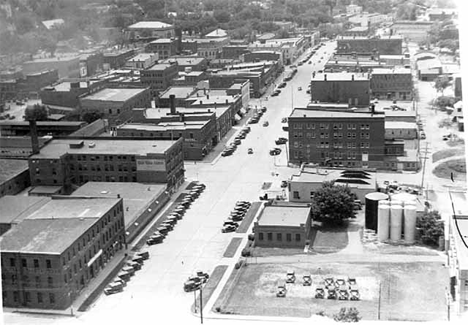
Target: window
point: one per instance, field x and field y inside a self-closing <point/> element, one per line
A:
<point x="65" y="278"/>
<point x="24" y="263"/>
<point x="50" y="281"/>
<point x="260" y="236"/>
<point x="298" y="237"/>
<point x="288" y="237"/>
<point x="296" y="195"/>
<point x="269" y="236"/>
<point x="39" y="297"/>
<point x="279" y="237"/>
<point x="48" y="264"/>
<point x="27" y="296"/>
<point x="12" y="262"/>
<point x="38" y="281"/>
<point x="36" y="263"/>
<point x="51" y="298"/>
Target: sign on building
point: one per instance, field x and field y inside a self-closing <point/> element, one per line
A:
<point x="155" y="165"/>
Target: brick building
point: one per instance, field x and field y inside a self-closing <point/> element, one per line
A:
<point x="15" y="208"/>
<point x="14" y="176"/>
<point x="164" y="47"/>
<point x="415" y="31"/>
<point x="337" y="138"/>
<point x="392" y="84"/>
<point x="149" y="30"/>
<point x="50" y="256"/>
<point x="189" y="63"/>
<point x="117" y="59"/>
<point x="142" y="61"/>
<point x="22" y="128"/>
<point x="67" y="162"/>
<point x="160" y="76"/>
<point x="382" y="45"/>
<point x="351" y="88"/>
<point x="283" y="226"/>
<point x="233" y="51"/>
<point x="116" y="103"/>
<point x="67" y="66"/>
<point x="91" y="63"/>
<point x="67" y="93"/>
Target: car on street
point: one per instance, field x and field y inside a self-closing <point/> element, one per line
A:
<point x="154" y="239"/>
<point x="230" y="222"/>
<point x="308" y="91"/>
<point x="226" y="153"/>
<point x="281" y="291"/>
<point x="276" y="92"/>
<point x="281" y="140"/>
<point x="284" y="184"/>
<point x="299" y="88"/>
<point x="192" y="284"/>
<point x="284" y="120"/>
<point x="266" y="123"/>
<point x="250" y="151"/>
<point x="241" y="136"/>
<point x="253" y="121"/>
<point x="246" y="129"/>
<point x="203" y="275"/>
<point x="237" y="141"/>
<point x="282" y="85"/>
<point x="275" y="151"/>
<point x="243" y="203"/>
<point x="228" y="228"/>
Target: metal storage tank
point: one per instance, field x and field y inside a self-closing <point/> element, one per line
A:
<point x="396" y="219"/>
<point x="372" y="201"/>
<point x="404" y="197"/>
<point x="410" y="223"/>
<point x="383" y="224"/>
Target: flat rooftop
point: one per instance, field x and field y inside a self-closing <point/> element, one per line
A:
<point x="55" y="226"/>
<point x="164" y="126"/>
<point x="392" y="37"/>
<point x="58" y="147"/>
<point x="9" y="168"/>
<point x="150" y="25"/>
<point x="163" y="41"/>
<point x="303" y="112"/>
<point x="179" y="92"/>
<point x="115" y="94"/>
<point x="159" y="67"/>
<point x="398" y="70"/>
<point x="192" y="60"/>
<point x="58" y="59"/>
<point x="14" y="209"/>
<point x="142" y="57"/>
<point x="400" y="125"/>
<point x="341" y="76"/>
<point x="66" y="85"/>
<point x="136" y="196"/>
<point x="284" y="216"/>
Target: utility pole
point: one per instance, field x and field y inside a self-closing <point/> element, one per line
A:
<point x="380" y="298"/>
<point x="201" y="305"/>
<point x="424" y="165"/>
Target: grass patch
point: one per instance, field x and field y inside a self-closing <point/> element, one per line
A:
<point x="232" y="248"/>
<point x="442" y="154"/>
<point x="210" y="286"/>
<point x="325" y="239"/>
<point x="455" y="143"/>
<point x="455" y="166"/>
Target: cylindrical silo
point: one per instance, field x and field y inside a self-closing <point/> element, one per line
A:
<point x="396" y="218"/>
<point x="371" y="212"/>
<point x="383" y="224"/>
<point x="410" y="223"/>
<point x="404" y="197"/>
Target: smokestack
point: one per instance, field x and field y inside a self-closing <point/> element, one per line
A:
<point x="172" y="103"/>
<point x="34" y="139"/>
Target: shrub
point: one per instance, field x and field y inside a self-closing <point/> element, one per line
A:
<point x="347" y="315"/>
<point x="432" y="227"/>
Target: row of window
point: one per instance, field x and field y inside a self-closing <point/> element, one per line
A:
<point x="105" y="167"/>
<point x="326" y="135"/>
<point x="27" y="297"/>
<point x="336" y="155"/>
<point x="279" y="237"/>
<point x="36" y="263"/>
<point x="326" y="126"/>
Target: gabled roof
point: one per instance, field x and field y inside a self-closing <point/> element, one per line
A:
<point x="217" y="33"/>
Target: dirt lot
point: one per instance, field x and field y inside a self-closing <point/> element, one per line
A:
<point x="409" y="291"/>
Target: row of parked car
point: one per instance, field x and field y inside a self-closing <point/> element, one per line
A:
<point x="236" y="216"/>
<point x="168" y="225"/>
<point x="132" y="265"/>
<point x="229" y="150"/>
<point x="257" y="115"/>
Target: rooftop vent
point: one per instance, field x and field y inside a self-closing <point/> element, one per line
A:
<point x="91" y="144"/>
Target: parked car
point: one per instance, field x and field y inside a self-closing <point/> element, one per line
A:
<point x="290" y="277"/>
<point x="237" y="141"/>
<point x="153" y="240"/>
<point x="163" y="230"/>
<point x="275" y="151"/>
<point x="246" y="129"/>
<point x="168" y="225"/>
<point x="266" y="123"/>
<point x="299" y="88"/>
<point x="282" y="85"/>
<point x="230" y="222"/>
<point x="244" y="203"/>
<point x="203" y="275"/>
<point x="284" y="184"/>
<point x="228" y="228"/>
<point x="113" y="287"/>
<point x="192" y="284"/>
<point x="143" y="254"/>
<point x="276" y="92"/>
<point x="281" y="291"/>
<point x="241" y="136"/>
<point x="281" y="140"/>
<point x="250" y="151"/>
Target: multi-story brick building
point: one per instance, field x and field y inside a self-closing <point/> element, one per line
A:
<point x="67" y="162"/>
<point x="14" y="176"/>
<point x="233" y="51"/>
<point x="392" y="84"/>
<point x="382" y="45"/>
<point x="415" y="31"/>
<point x="67" y="66"/>
<point x="189" y="63"/>
<point x="50" y="256"/>
<point x="117" y="59"/>
<point x="211" y="48"/>
<point x="142" y="61"/>
<point x="160" y="76"/>
<point x="351" y="88"/>
<point x="67" y="93"/>
<point x="164" y="47"/>
<point x="116" y="103"/>
<point x="337" y="138"/>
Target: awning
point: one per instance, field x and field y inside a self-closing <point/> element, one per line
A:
<point x="94" y="258"/>
<point x="237" y="117"/>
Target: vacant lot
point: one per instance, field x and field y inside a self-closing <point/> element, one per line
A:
<point x="408" y="291"/>
<point x="328" y="239"/>
<point x="442" y="154"/>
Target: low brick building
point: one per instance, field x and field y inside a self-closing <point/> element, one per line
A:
<point x="283" y="226"/>
<point x="14" y="176"/>
<point x="392" y="84"/>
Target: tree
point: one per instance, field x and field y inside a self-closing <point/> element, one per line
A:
<point x="441" y="83"/>
<point x="89" y="116"/>
<point x="222" y="16"/>
<point x="432" y="228"/>
<point x="347" y="315"/>
<point x="37" y="112"/>
<point x="333" y="203"/>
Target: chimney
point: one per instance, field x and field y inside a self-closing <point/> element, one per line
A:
<point x="325" y="77"/>
<point x="208" y="96"/>
<point x="172" y="103"/>
<point x="352" y="77"/>
<point x="34" y="139"/>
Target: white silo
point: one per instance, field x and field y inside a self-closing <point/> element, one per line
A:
<point x="410" y="223"/>
<point x="396" y="218"/>
<point x="404" y="197"/>
<point x="383" y="224"/>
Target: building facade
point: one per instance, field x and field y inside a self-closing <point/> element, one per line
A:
<point x="392" y="84"/>
<point x="14" y="176"/>
<point x="63" y="162"/>
<point x="391" y="45"/>
<point x="49" y="257"/>
<point x="351" y="88"/>
<point x="163" y="47"/>
<point x="149" y="30"/>
<point x="160" y="76"/>
<point x="336" y="138"/>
